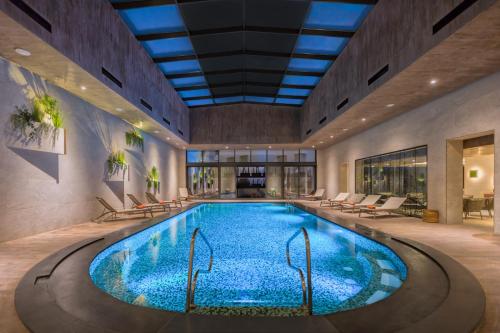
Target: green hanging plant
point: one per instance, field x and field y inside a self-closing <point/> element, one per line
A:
<point x="134" y="138"/>
<point x="43" y="120"/>
<point x="116" y="162"/>
<point x="153" y="179"/>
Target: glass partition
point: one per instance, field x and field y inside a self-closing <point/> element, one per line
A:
<point x="291" y="182"/>
<point x="210" y="182"/>
<point x="275" y="156"/>
<point x="242" y="155"/>
<point x="308" y="155"/>
<point x="291" y="155"/>
<point x="307" y="180"/>
<point x="401" y="173"/>
<point x="195" y="180"/>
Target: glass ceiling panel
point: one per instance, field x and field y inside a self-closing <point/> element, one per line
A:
<point x="147" y="20"/>
<point x="232" y="99"/>
<point x="294" y="92"/>
<point x="194" y="93"/>
<point x="301" y="80"/>
<point x="259" y="99"/>
<point x="309" y="65"/>
<point x="199" y="102"/>
<point x="169" y="47"/>
<point x="289" y="101"/>
<point x="188" y="81"/>
<point x="183" y="66"/>
<point x="336" y="16"/>
<point x="320" y="44"/>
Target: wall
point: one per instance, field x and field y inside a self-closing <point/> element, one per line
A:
<point x="42" y="191"/>
<point x="244" y="124"/>
<point x="470" y="110"/>
<point x="484" y="182"/>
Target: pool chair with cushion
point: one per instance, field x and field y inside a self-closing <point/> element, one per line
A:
<point x="318" y="195"/>
<point x="153" y="200"/>
<point x="139" y="204"/>
<point x="341" y="197"/>
<point x="370" y="200"/>
<point x="184" y="194"/>
<point x="353" y="199"/>
<point x="109" y="210"/>
<point x="390" y="206"/>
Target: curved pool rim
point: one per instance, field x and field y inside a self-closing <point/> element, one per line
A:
<point x="436" y="288"/>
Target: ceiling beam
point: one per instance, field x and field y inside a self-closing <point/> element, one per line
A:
<point x="248" y="83"/>
<point x="241" y="94"/>
<point x="243" y="70"/>
<point x="244" y="102"/>
<point x="276" y="30"/>
<point x="244" y="52"/>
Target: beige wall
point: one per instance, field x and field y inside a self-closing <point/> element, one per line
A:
<point x="473" y="109"/>
<point x="42" y="191"/>
<point x="484" y="182"/>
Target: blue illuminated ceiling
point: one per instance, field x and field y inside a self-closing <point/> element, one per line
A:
<point x="244" y="51"/>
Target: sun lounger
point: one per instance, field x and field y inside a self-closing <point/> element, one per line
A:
<point x="109" y="210"/>
<point x="353" y="199"/>
<point x="155" y="206"/>
<point x="318" y="195"/>
<point x="390" y="206"/>
<point x="370" y="200"/>
<point x="153" y="200"/>
<point x="341" y="197"/>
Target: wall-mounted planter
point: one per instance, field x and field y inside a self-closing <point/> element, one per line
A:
<point x="53" y="143"/>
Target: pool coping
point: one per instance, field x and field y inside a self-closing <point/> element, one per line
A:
<point x="439" y="295"/>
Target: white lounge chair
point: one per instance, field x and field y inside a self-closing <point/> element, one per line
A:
<point x="370" y="200"/>
<point x="390" y="206"/>
<point x="318" y="195"/>
<point x="352" y="200"/>
<point x="184" y="194"/>
<point x="341" y="197"/>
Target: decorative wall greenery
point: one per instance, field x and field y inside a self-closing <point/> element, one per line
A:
<point x="116" y="162"/>
<point x="44" y="119"/>
<point x="134" y="138"/>
<point x="153" y="179"/>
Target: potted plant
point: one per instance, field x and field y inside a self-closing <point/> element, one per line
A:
<point x="134" y="138"/>
<point x="153" y="180"/>
<point x="117" y="163"/>
<point x="43" y="120"/>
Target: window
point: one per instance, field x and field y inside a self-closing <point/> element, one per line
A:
<point x="258" y="155"/>
<point x="210" y="156"/>
<point x="194" y="156"/>
<point x="226" y="156"/>
<point x="307" y="155"/>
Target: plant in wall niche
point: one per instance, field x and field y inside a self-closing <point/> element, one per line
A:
<point x="153" y="179"/>
<point x="134" y="138"/>
<point x="43" y="120"/>
<point x="116" y="162"/>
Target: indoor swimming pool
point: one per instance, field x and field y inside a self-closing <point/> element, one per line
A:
<point x="250" y="266"/>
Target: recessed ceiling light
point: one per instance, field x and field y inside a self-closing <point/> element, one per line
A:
<point x="226" y="147"/>
<point x="119" y="109"/>
<point x="23" y="52"/>
<point x="345" y="129"/>
<point x="156" y="131"/>
<point x="83" y="87"/>
<point x="247" y="147"/>
<point x="390" y="105"/>
<point x="433" y="82"/>
<point x="363" y="119"/>
<point x="270" y="147"/>
<point x="321" y="142"/>
<point x="168" y="138"/>
<point x="183" y="147"/>
<point x="313" y="146"/>
<point x="331" y="136"/>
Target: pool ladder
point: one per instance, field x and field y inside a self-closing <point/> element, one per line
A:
<point x="306" y="283"/>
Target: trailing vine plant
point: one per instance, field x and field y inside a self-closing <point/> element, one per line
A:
<point x="153" y="179"/>
<point x="134" y="138"/>
<point x="116" y="162"/>
<point x="44" y="119"/>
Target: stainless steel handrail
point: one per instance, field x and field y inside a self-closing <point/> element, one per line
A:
<point x="191" y="285"/>
<point x="306" y="300"/>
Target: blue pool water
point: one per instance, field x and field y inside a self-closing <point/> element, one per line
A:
<point x="249" y="267"/>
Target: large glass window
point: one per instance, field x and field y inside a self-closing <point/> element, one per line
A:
<point x="291" y="155"/>
<point x="243" y="156"/>
<point x="402" y="173"/>
<point x="308" y="155"/>
<point x="273" y="182"/>
<point x="194" y="156"/>
<point x="275" y="156"/>
<point x="228" y="182"/>
<point x="210" y="156"/>
<point x="226" y="156"/>
<point x="307" y="180"/>
<point x="195" y="180"/>
<point x="210" y="182"/>
<point x="258" y="155"/>
<point x="291" y="182"/>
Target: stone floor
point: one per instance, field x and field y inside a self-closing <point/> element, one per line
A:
<point x="472" y="245"/>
